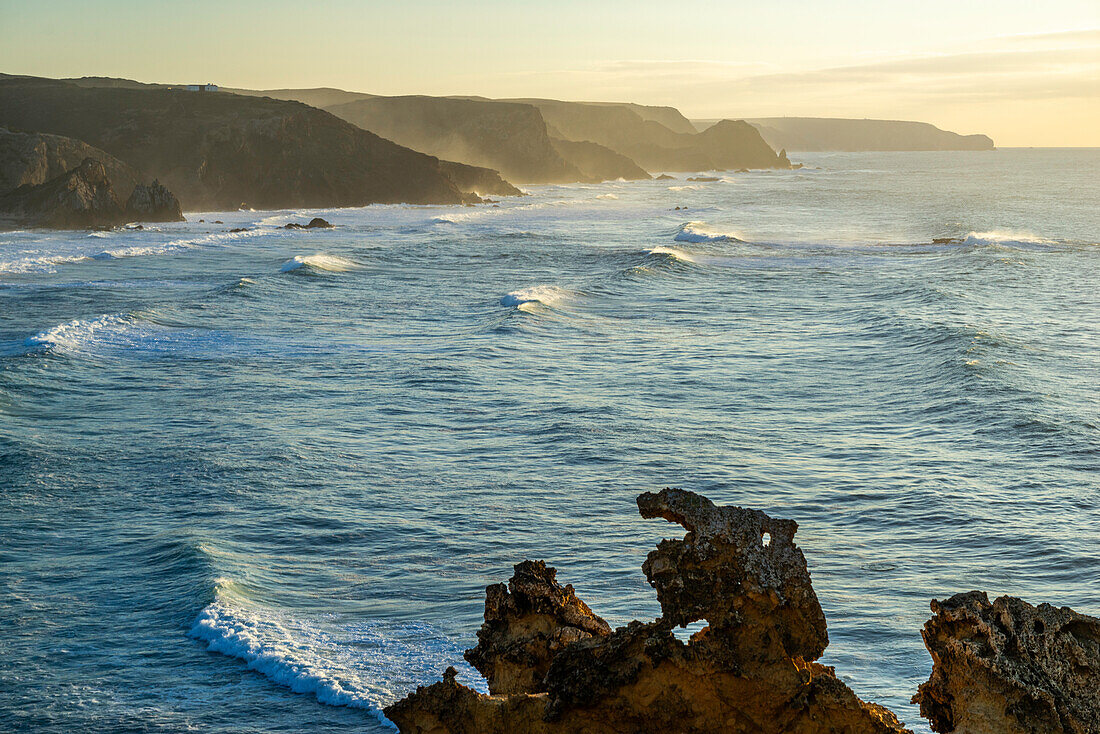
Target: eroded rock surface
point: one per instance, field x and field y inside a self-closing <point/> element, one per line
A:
<point x="153" y="203"/>
<point x="553" y="666"/>
<point x="1011" y="668"/>
<point x="527" y="623"/>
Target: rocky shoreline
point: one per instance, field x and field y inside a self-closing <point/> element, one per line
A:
<point x="553" y="665"/>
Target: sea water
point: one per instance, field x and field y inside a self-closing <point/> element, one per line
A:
<point x="258" y="480"/>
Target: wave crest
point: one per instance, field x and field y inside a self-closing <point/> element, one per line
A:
<point x="547" y="295"/>
<point x="327" y="263"/>
<point x="1007" y="238"/>
<point x="703" y="232"/>
<point x="365" y="665"/>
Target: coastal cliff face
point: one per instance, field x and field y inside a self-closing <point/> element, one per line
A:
<point x="554" y="666"/>
<point x="84" y="197"/>
<point x="829" y="134"/>
<point x="654" y="146"/>
<point x="35" y="158"/>
<point x="510" y="138"/>
<point x="599" y="163"/>
<point x="220" y="150"/>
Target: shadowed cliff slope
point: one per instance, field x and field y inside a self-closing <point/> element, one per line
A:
<point x="218" y="150"/>
<point x="652" y="145"/>
<point x="34" y="158"/>
<point x="509" y="137"/>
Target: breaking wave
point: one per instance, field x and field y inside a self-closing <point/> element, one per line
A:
<point x="327" y="263"/>
<point x="703" y="232"/>
<point x="675" y="253"/>
<point x="365" y="665"/>
<point x="119" y="334"/>
<point x="547" y="295"/>
<point x="1007" y="238"/>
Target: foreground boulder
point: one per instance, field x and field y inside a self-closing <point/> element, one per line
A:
<point x="554" y="666"/>
<point x="1011" y="668"/>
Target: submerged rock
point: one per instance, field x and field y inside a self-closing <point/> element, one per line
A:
<point x="554" y="666"/>
<point x="1011" y="668"/>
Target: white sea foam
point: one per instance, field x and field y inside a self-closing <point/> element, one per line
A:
<point x="39" y="263"/>
<point x="365" y="665"/>
<point x="125" y="334"/>
<point x="328" y="263"/>
<point x="607" y="196"/>
<point x="131" y="243"/>
<point x="689" y="187"/>
<point x="703" y="232"/>
<point x="1007" y="238"/>
<point x="547" y="295"/>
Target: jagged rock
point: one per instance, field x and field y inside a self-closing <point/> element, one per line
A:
<point x="750" y="670"/>
<point x="665" y="177"/>
<point x="81" y="197"/>
<point x="740" y="571"/>
<point x="154" y="203"/>
<point x="35" y="158"/>
<point x="1011" y="668"/>
<point x="527" y="623"/>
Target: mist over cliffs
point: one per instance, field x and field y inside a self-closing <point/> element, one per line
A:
<point x="327" y="147"/>
<point x="221" y="150"/>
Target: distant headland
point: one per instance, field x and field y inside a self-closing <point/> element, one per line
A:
<point x="212" y="147"/>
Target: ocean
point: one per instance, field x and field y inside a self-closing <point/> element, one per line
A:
<point x="259" y="480"/>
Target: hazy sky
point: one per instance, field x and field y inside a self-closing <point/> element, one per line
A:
<point x="1024" y="72"/>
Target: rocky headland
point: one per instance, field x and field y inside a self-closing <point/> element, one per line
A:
<point x="219" y="150"/>
<point x="553" y="665"/>
<point x="839" y="134"/>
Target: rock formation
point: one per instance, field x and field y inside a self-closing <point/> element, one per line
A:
<point x="527" y="623"/>
<point x="35" y="158"/>
<point x="554" y="666"/>
<point x="653" y="145"/>
<point x="85" y="197"/>
<point x="315" y="223"/>
<point x="1011" y="668"/>
<point x="153" y="203"/>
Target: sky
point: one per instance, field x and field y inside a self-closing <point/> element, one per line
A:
<point x="1025" y="73"/>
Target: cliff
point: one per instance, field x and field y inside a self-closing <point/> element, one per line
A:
<point x="478" y="181"/>
<point x="84" y="197"/>
<point x="510" y="138"/>
<point x="506" y="136"/>
<point x="598" y="163"/>
<point x="218" y="150"/>
<point x="834" y="134"/>
<point x="654" y="146"/>
<point x="553" y="666"/>
<point x="34" y="158"/>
